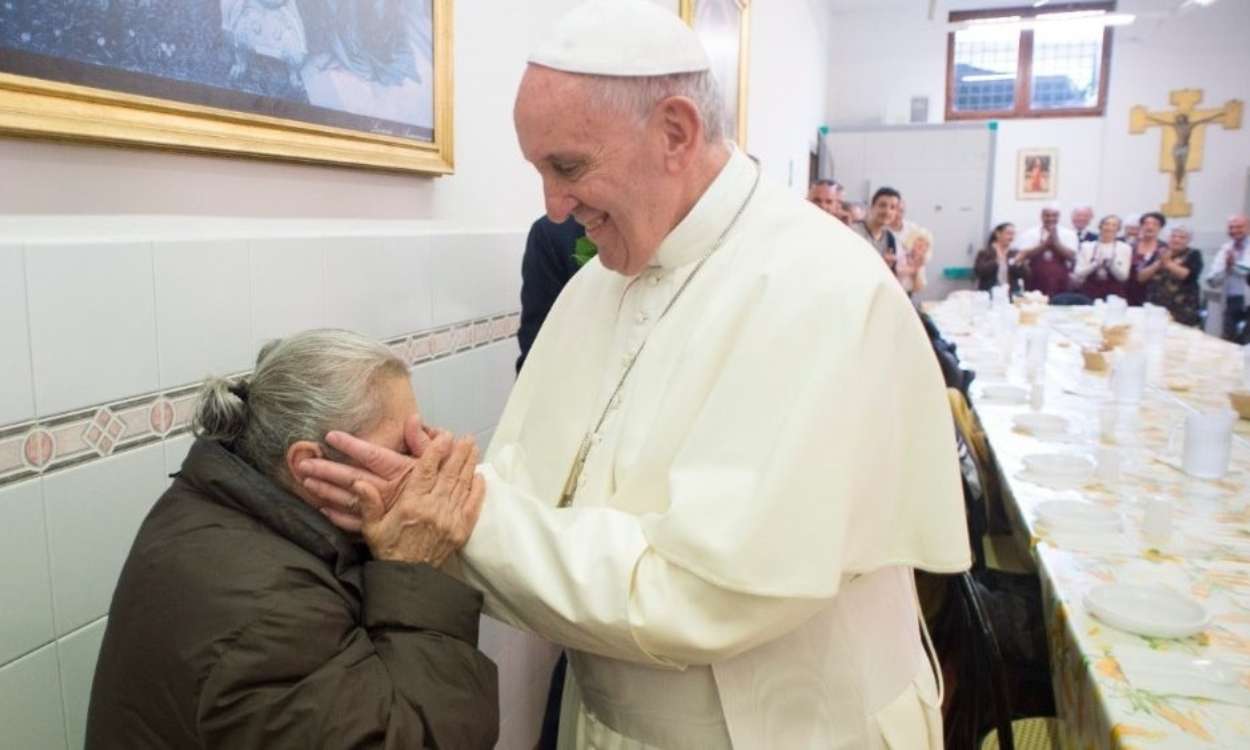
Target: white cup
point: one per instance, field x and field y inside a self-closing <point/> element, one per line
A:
<point x="1108" y="464"/>
<point x="1000" y="296"/>
<point x="1037" y="396"/>
<point x="1208" y="444"/>
<point x="1115" y="311"/>
<point x="1156" y="522"/>
<point x="1108" y="415"/>
<point x="1156" y="324"/>
<point x="1036" y="343"/>
<point x="1128" y="377"/>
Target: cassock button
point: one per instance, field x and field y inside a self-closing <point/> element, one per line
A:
<point x="655" y="280"/>
<point x="642" y="317"/>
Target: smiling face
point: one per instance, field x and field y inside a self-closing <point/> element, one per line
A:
<point x="1237" y="227"/>
<point x="883" y="210"/>
<point x="1081" y="217"/>
<point x="826" y="197"/>
<point x="1178" y="239"/>
<point x="1109" y="229"/>
<point x="604" y="168"/>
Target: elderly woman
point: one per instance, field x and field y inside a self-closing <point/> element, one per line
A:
<point x="1174" y="280"/>
<point x="1145" y="258"/>
<point x="1102" y="266"/>
<point x="245" y="619"/>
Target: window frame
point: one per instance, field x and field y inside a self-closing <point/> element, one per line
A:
<point x="1024" y="65"/>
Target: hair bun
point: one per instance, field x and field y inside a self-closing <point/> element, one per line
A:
<point x="221" y="410"/>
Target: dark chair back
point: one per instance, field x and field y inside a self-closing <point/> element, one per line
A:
<point x="1070" y="299"/>
<point x="982" y="676"/>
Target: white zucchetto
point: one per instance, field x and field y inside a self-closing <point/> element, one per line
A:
<point x="622" y="38"/>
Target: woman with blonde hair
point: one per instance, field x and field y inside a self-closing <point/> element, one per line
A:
<point x="914" y="251"/>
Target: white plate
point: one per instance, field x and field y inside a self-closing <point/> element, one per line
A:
<point x="1059" y="465"/>
<point x="1041" y="425"/>
<point x="1004" y="394"/>
<point x="1074" y="515"/>
<point x="1151" y="611"/>
<point x="1053" y="482"/>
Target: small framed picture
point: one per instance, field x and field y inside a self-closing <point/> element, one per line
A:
<point x="1036" y="173"/>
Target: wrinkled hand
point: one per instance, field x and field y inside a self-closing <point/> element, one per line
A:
<point x="407" y="509"/>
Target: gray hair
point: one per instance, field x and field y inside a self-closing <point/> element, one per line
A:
<point x="303" y="386"/>
<point x="637" y="97"/>
<point x="1182" y="229"/>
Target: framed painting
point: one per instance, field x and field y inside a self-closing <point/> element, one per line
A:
<point x="366" y="84"/>
<point x="1037" y="172"/>
<point x="724" y="27"/>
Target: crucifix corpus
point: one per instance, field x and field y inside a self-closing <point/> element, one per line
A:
<point x="1183" y="128"/>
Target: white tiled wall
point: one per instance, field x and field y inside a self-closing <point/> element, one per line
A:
<point x="93" y="513"/>
<point x="17" y="397"/>
<point x="24" y="578"/>
<point x="288" y="276"/>
<point x="92" y="323"/>
<point x="31" y="708"/>
<point x="85" y="324"/>
<point x="204" y="314"/>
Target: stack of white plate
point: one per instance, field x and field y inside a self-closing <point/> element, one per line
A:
<point x="1077" y="516"/>
<point x="1040" y="425"/>
<point x="1058" y="470"/>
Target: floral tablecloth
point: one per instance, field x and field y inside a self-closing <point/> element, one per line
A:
<point x="1206" y="555"/>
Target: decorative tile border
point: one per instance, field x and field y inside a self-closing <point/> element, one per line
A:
<point x="42" y="446"/>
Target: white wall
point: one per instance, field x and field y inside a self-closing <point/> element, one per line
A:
<point x="881" y="58"/>
<point x="788" y="84"/>
<point x="107" y="302"/>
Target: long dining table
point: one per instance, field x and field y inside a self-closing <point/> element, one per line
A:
<point x="1176" y="532"/>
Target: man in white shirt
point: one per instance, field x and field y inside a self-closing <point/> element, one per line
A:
<point x="1227" y="276"/>
<point x="1048" y="252"/>
<point x="1081" y="218"/>
<point x="694" y="484"/>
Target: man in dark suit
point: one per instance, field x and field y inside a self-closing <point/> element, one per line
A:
<point x="548" y="265"/>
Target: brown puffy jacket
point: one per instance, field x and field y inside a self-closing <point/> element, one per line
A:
<point x="244" y="619"/>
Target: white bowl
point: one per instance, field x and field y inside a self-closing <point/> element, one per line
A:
<point x="1151" y="611"/>
<point x="1075" y="515"/>
<point x="1059" y="465"/>
<point x="1042" y="425"/>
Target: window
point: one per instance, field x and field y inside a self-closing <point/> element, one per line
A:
<point x="1029" y="62"/>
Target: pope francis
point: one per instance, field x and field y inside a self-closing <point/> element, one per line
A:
<point x="730" y="446"/>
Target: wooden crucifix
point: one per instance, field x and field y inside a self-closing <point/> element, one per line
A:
<point x="1181" y="150"/>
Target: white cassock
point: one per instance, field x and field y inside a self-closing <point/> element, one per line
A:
<point x="736" y="567"/>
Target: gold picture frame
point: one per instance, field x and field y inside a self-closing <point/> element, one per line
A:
<point x="706" y="17"/>
<point x="1037" y="174"/>
<point x="37" y="107"/>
